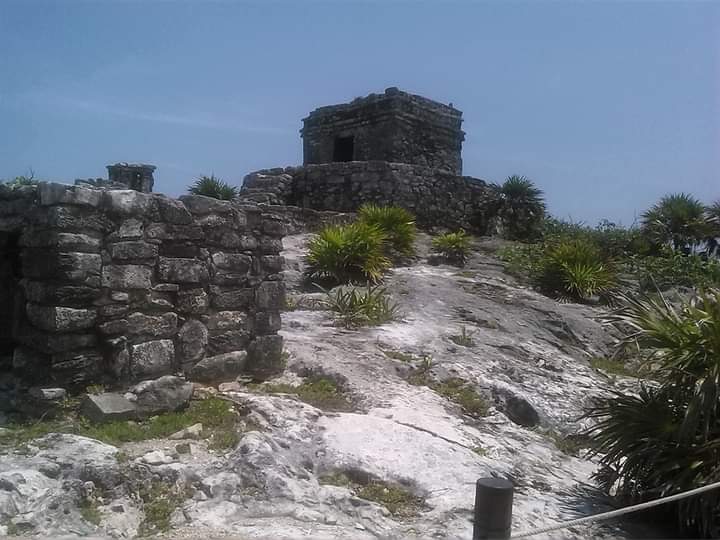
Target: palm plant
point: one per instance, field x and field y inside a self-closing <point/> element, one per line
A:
<point x="677" y="220"/>
<point x="667" y="438"/>
<point x="347" y="253"/>
<point x="212" y="186"/>
<point x="453" y="247"/>
<point x="521" y="208"/>
<point x="713" y="220"/>
<point x="397" y="223"/>
<point x="574" y="270"/>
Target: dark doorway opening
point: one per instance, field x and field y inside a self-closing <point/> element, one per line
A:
<point x="10" y="275"/>
<point x="344" y="149"/>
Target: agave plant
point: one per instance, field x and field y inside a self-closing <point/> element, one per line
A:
<point x="678" y="220"/>
<point x="367" y="307"/>
<point x="666" y="439"/>
<point x="397" y="223"/>
<point x="212" y="186"/>
<point x="521" y="209"/>
<point x="347" y="254"/>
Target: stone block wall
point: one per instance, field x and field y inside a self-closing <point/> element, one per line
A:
<point x="106" y="286"/>
<point x="436" y="198"/>
<point x="395" y="126"/>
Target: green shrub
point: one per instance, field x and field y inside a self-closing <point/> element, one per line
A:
<point x="521" y="209"/>
<point x="673" y="269"/>
<point x="347" y="254"/>
<point x="397" y="223"/>
<point x="677" y="220"/>
<point x="362" y="307"/>
<point x="574" y="270"/>
<point x="453" y="247"/>
<point x="211" y="186"/>
<point x="666" y="439"/>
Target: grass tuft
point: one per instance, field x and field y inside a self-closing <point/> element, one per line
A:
<point x="320" y="392"/>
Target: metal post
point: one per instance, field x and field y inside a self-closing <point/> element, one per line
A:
<point x="493" y="509"/>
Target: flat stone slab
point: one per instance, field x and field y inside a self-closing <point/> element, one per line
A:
<point x="107" y="407"/>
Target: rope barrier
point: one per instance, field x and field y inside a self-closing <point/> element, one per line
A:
<point x="619" y="512"/>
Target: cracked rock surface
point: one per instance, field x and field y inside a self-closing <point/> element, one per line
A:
<point x="525" y="355"/>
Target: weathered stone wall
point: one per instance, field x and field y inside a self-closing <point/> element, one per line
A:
<point x="118" y="285"/>
<point x="437" y="199"/>
<point x="395" y="126"/>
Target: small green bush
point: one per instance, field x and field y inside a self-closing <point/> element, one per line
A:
<point x="318" y="391"/>
<point x="673" y="269"/>
<point x="666" y="438"/>
<point x="362" y="307"/>
<point x="453" y="247"/>
<point x="574" y="270"/>
<point x="397" y="223"/>
<point x="351" y="253"/>
<point x="212" y="186"/>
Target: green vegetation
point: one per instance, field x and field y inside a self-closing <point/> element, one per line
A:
<point x="351" y="253"/>
<point x="614" y="366"/>
<point x="216" y="415"/>
<point x="89" y="511"/>
<point x="673" y="269"/>
<point x="159" y="502"/>
<point x="677" y="220"/>
<point x="665" y="439"/>
<point x="399" y="355"/>
<point x="396" y="223"/>
<point x="399" y="501"/>
<point x="212" y="186"/>
<point x="20" y="181"/>
<point x="521" y="209"/>
<point x="320" y="392"/>
<point x="453" y="247"/>
<point x="464" y="339"/>
<point x="575" y="270"/>
<point x="362" y="307"/>
<point x="460" y="392"/>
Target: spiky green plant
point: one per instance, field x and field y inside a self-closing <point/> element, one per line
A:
<point x="713" y="222"/>
<point x="677" y="220"/>
<point x="454" y="247"/>
<point x="397" y="223"/>
<point x="352" y="253"/>
<point x="212" y="186"/>
<point x="362" y="307"/>
<point x="667" y="439"/>
<point x="521" y="208"/>
<point x="574" y="270"/>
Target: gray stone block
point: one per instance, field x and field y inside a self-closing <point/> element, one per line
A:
<point x="270" y="295"/>
<point x="179" y="270"/>
<point x="265" y="358"/>
<point x="60" y="319"/>
<point x="127" y="276"/>
<point x="133" y="250"/>
<point x="152" y="358"/>
<point x="220" y="368"/>
<point x="53" y="193"/>
<point x="192" y="341"/>
<point x="107" y="407"/>
<point x="164" y="394"/>
<point x="151" y="325"/>
<point x="129" y="202"/>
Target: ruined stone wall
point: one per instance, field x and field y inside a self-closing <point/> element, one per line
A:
<point x="118" y="285"/>
<point x="437" y="199"/>
<point x="395" y="126"/>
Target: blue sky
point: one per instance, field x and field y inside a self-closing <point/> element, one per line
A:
<point x="606" y="105"/>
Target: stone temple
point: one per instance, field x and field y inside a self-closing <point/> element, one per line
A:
<point x="395" y="127"/>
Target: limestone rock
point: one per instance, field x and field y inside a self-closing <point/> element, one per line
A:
<point x="128" y="276"/>
<point x="192" y="341"/>
<point x="107" y="407"/>
<point x="190" y="432"/>
<point x="222" y="367"/>
<point x="152" y="358"/>
<point x="265" y="357"/>
<point x="168" y="393"/>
